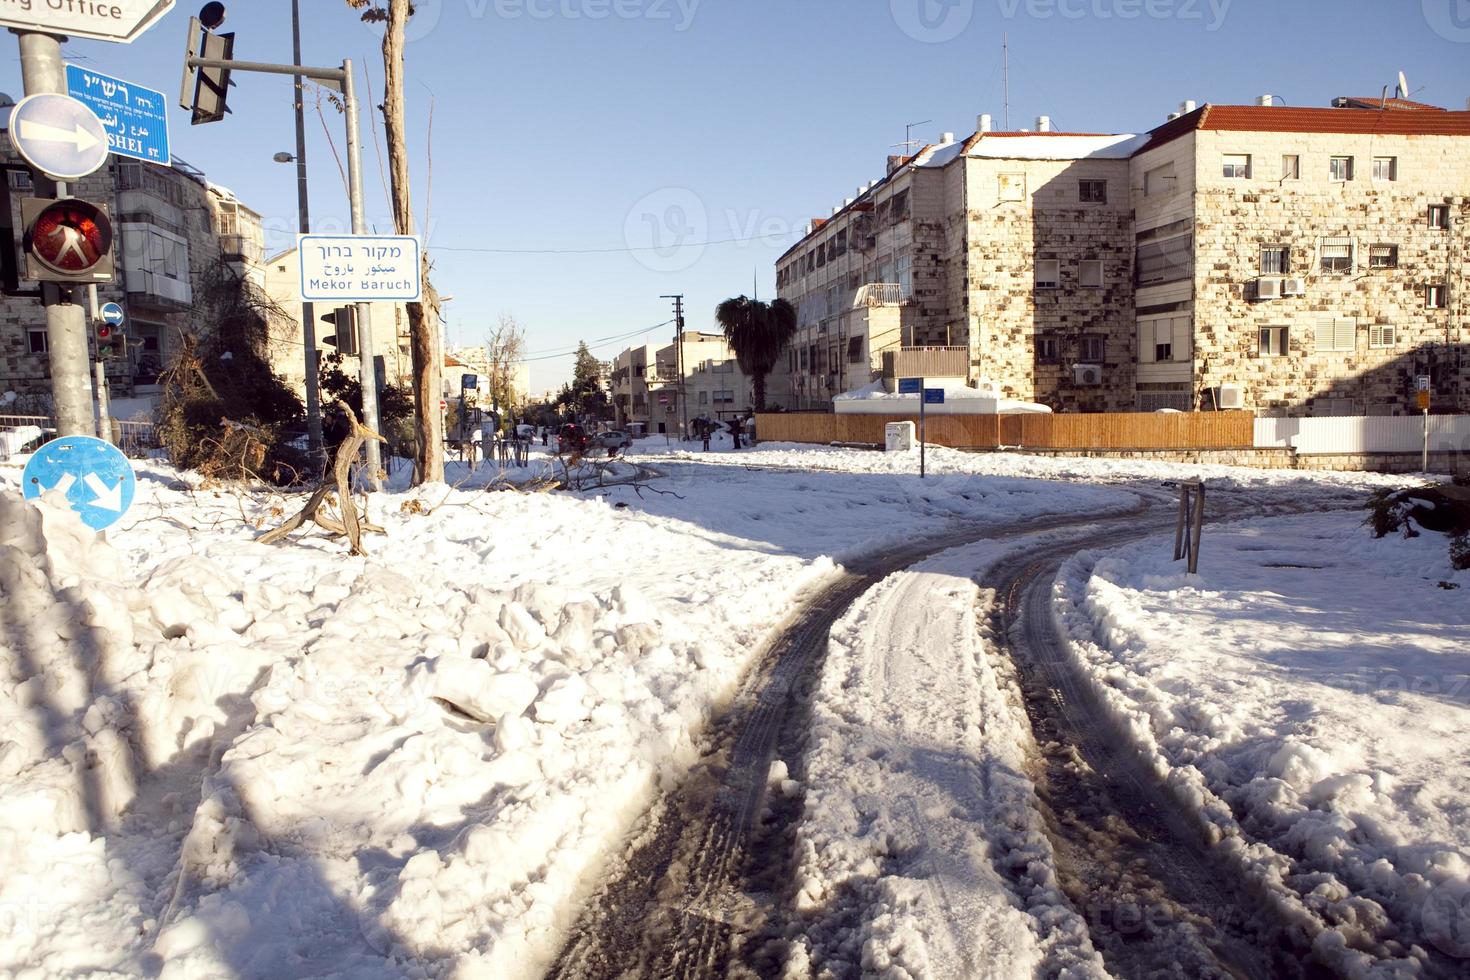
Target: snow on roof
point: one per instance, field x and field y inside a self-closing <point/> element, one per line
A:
<point x="1057" y="146"/>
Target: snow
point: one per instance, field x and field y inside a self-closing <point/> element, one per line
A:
<point x="1058" y="147"/>
<point x="921" y="850"/>
<point x="1307" y="696"/>
<point x="224" y="758"/>
<point x="15" y="439"/>
<point x="959" y="397"/>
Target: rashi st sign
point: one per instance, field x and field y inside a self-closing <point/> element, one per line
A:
<point x="98" y="20"/>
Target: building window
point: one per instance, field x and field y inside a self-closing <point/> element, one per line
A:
<point x="1237" y="166"/>
<point x="1383" y="256"/>
<point x="1275" y="260"/>
<point x="1291" y="166"/>
<point x="1048" y="351"/>
<point x="1164" y="339"/>
<point x="725" y="396"/>
<point x="1385" y="168"/>
<point x="1092" y="350"/>
<point x="1336" y="335"/>
<point x="1090" y="273"/>
<point x="854" y="350"/>
<point x="37" y="341"/>
<point x="1048" y="273"/>
<point x="1092" y="191"/>
<point x="1168" y="261"/>
<point x="803" y="359"/>
<point x="1011" y="187"/>
<point x="1336" y="255"/>
<point x="1381" y="335"/>
<point x="1340" y="168"/>
<point x="1439" y="215"/>
<point x="1273" y="342"/>
<point x="20" y="180"/>
<point x="1159" y="180"/>
<point x="704" y="398"/>
<point x="1436" y="297"/>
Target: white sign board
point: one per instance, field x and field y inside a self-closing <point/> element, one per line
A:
<point x="359" y="268"/>
<point x="899" y="436"/>
<point x="1422" y="383"/>
<point x="99" y="20"/>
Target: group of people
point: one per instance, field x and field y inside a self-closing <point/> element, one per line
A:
<point x="705" y="428"/>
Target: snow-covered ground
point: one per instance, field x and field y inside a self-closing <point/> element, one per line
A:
<point x="1308" y="696"/>
<point x="219" y="757"/>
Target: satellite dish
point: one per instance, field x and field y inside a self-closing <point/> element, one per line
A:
<point x="1403" y="92"/>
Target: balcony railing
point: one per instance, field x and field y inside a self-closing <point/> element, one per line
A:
<point x="927" y="362"/>
<point x="880" y="294"/>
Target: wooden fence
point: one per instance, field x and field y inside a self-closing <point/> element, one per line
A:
<point x="1117" y="430"/>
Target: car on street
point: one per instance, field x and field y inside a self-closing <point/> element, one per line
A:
<point x="571" y="438"/>
<point x="614" y="440"/>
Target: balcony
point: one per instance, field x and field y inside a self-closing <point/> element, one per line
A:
<point x="880" y="294"/>
<point x="240" y="248"/>
<point x="927" y="362"/>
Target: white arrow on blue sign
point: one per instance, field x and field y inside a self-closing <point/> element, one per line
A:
<point x="58" y="136"/>
<point x="95" y="477"/>
<point x="112" y="314"/>
<point x="133" y="116"/>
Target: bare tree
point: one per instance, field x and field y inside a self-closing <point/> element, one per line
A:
<point x="426" y="354"/>
<point x="505" y="347"/>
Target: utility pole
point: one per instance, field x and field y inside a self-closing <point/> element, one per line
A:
<point x="42" y="70"/>
<point x="678" y="299"/>
<point x="303" y="213"/>
<point x="1005" y="54"/>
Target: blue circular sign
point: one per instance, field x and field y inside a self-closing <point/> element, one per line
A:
<point x="96" y="478"/>
<point x="112" y="313"/>
<point x="58" y="135"/>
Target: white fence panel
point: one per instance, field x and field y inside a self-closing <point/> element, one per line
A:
<point x="1365" y="434"/>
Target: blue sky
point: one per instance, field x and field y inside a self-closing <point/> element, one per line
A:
<point x="567" y="131"/>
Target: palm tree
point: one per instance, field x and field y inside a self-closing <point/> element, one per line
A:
<point x="757" y="332"/>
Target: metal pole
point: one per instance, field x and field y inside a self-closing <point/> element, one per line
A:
<point x="303" y="210"/>
<point x="1425" y="467"/>
<point x="369" y="373"/>
<point x="42" y="70"/>
<point x="1199" y="526"/>
<point x="104" y="425"/>
<point x="923" y="427"/>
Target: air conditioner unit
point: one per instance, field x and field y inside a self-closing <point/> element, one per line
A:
<point x="1087" y="374"/>
<point x="1295" y="286"/>
<point x="1230" y="397"/>
<point x="1268" y="287"/>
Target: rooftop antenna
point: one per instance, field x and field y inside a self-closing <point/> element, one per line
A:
<point x="1005" y="54"/>
<point x="908" y="138"/>
<point x="1403" y="90"/>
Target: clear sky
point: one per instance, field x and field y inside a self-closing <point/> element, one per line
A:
<point x="566" y="132"/>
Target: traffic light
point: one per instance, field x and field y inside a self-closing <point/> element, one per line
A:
<point x="66" y="241"/>
<point x="108" y="340"/>
<point x="344" y="318"/>
<point x="205" y="91"/>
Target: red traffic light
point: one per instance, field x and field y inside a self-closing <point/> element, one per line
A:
<point x="69" y="237"/>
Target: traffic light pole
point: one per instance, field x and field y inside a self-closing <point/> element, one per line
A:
<point x="42" y="70"/>
<point x="303" y="213"/>
<point x="342" y="78"/>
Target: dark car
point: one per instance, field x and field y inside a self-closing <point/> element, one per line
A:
<point x="571" y="438"/>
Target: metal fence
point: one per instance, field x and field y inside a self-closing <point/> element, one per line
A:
<point x="137" y="439"/>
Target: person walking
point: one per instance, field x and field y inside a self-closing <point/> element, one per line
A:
<point x="704" y="428"/>
<point x="735" y="431"/>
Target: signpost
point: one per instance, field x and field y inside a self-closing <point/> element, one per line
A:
<point x="112" y="20"/>
<point x="1423" y="385"/>
<point x="58" y="135"/>
<point x="931" y="396"/>
<point x="360" y="268"/>
<point x="96" y="478"/>
<point x="133" y="116"/>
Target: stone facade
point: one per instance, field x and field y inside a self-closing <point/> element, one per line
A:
<point x="1050" y="255"/>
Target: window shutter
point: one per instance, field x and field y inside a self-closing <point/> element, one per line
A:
<point x="1146" y="341"/>
<point x="1182" y="338"/>
<point x="1346" y="334"/>
<point x="1324" y="334"/>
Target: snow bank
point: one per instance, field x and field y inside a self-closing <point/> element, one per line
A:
<point x="1313" y="719"/>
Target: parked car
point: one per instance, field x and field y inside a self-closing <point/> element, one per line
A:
<point x="571" y="438"/>
<point x="613" y="440"/>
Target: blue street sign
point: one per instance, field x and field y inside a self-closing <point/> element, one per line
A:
<point x="96" y="478"/>
<point x="58" y="135"/>
<point x="112" y="314"/>
<point x="933" y="396"/>
<point x="132" y="115"/>
<point x="910" y="386"/>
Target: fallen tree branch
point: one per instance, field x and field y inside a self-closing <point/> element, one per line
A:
<point x="346" y="522"/>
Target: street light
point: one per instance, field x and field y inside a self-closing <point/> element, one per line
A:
<point x="284" y="157"/>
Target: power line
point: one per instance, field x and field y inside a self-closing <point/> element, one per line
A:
<point x="595" y="344"/>
<point x="599" y="251"/>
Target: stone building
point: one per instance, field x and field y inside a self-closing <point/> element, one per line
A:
<point x="1286" y="260"/>
<point x="648" y="388"/>
<point x="176" y="236"/>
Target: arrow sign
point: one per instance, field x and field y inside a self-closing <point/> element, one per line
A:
<point x="59" y="136"/>
<point x="96" y="479"/>
<point x="112" y="313"/>
<point x="78" y="137"/>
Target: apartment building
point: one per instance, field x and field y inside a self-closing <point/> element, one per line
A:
<point x="176" y="235"/>
<point x="649" y="388"/>
<point x="1287" y="260"/>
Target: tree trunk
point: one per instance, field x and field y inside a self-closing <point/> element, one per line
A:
<point x="423" y="317"/>
<point x="759" y="381"/>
